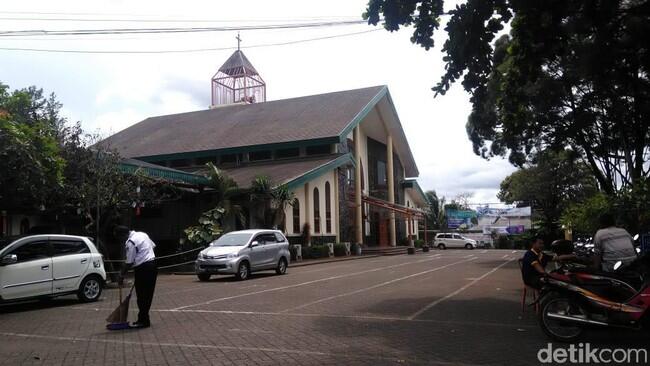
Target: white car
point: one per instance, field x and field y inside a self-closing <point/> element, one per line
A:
<point x="454" y="240"/>
<point x="243" y="252"/>
<point x="42" y="266"/>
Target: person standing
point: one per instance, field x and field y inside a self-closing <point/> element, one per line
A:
<point x="141" y="258"/>
<point x="612" y="244"/>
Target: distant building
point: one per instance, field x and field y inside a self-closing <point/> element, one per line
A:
<point x="343" y="154"/>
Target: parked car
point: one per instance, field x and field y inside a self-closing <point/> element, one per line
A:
<point x="453" y="240"/>
<point x="243" y="252"/>
<point x="44" y="266"/>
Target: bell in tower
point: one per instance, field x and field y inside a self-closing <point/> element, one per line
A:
<point x="237" y="81"/>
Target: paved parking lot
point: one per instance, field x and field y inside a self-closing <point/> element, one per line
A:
<point x="439" y="308"/>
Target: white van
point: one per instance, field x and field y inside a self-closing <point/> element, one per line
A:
<point x="453" y="240"/>
<point x="41" y="266"/>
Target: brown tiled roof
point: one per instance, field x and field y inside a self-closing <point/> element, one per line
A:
<point x="279" y="172"/>
<point x="305" y="118"/>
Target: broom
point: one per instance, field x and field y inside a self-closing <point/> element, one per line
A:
<point x="118" y="318"/>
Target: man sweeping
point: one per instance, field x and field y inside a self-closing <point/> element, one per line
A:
<point x="139" y="256"/>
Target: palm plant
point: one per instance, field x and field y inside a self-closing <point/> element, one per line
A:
<point x="269" y="203"/>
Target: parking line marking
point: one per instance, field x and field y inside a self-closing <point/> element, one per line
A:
<point x="301" y="284"/>
<point x="317" y="315"/>
<point x="431" y="305"/>
<point x="372" y="287"/>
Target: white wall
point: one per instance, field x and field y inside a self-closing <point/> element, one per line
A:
<point x="300" y="194"/>
<point x="408" y="201"/>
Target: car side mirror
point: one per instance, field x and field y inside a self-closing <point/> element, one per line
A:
<point x="617" y="265"/>
<point x="255" y="244"/>
<point x="9" y="259"/>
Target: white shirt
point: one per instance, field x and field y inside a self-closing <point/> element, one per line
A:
<point x="139" y="248"/>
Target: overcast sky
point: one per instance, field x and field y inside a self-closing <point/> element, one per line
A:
<point x="109" y="92"/>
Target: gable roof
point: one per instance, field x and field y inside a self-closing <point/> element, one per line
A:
<point x="292" y="173"/>
<point x="306" y="118"/>
<point x="316" y="119"/>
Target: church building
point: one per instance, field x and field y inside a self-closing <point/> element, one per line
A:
<point x="343" y="155"/>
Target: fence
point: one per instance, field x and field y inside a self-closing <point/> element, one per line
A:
<point x="183" y="256"/>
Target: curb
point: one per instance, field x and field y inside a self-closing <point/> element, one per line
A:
<point x="300" y="264"/>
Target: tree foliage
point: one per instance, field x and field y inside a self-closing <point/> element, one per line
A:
<point x="550" y="184"/>
<point x="30" y="155"/>
<point x="569" y="74"/>
<point x="50" y="165"/>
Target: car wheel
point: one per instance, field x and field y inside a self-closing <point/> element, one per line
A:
<point x="441" y="246"/>
<point x="243" y="271"/>
<point x="282" y="266"/>
<point x="203" y="277"/>
<point x="90" y="289"/>
<point x="469" y="246"/>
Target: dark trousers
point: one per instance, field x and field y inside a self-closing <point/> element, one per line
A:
<point x="145" y="284"/>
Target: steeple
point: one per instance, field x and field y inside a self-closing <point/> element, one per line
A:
<point x="237" y="81"/>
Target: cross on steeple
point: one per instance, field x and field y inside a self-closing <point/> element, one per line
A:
<point x="238" y="41"/>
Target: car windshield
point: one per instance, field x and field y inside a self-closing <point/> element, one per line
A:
<point x="232" y="240"/>
<point x="4" y="242"/>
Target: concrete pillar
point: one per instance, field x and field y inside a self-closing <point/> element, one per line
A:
<point x="308" y="212"/>
<point x="391" y="188"/>
<point x="358" y="217"/>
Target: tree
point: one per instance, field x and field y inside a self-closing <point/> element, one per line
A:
<point x="49" y="165"/>
<point x="30" y="161"/>
<point x="550" y="184"/>
<point x="463" y="199"/>
<point x="568" y="74"/>
<point x="269" y="203"/>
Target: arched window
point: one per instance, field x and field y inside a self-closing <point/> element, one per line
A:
<point x="316" y="211"/>
<point x="296" y="216"/>
<point x="328" y="209"/>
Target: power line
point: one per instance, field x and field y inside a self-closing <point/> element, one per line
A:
<point x="159" y="20"/>
<point x="177" y="29"/>
<point x="188" y="50"/>
<point x="149" y="15"/>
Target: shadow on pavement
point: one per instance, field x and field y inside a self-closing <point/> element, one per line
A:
<point x="477" y="331"/>
<point x="32" y="305"/>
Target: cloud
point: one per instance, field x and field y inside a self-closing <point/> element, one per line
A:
<point x="112" y="92"/>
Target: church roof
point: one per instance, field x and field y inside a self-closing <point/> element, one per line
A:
<point x="238" y="64"/>
<point x="239" y="125"/>
<point x="316" y="119"/>
<point x="292" y="173"/>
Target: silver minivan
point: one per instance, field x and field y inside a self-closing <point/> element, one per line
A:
<point x="243" y="252"/>
<point x="454" y="240"/>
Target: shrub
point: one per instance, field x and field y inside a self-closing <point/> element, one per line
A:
<point x="419" y="243"/>
<point x="315" y="251"/>
<point x="306" y="252"/>
<point x="339" y="250"/>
